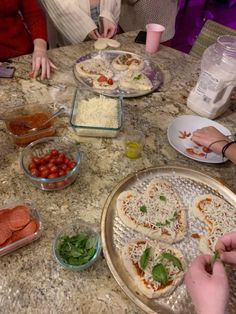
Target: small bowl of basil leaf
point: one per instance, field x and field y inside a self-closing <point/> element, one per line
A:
<point x="77" y="246"/>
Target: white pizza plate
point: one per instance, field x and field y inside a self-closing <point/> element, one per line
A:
<point x="190" y="123"/>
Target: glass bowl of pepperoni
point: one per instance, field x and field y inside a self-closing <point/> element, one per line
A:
<point x="20" y="224"/>
<point x="51" y="163"/>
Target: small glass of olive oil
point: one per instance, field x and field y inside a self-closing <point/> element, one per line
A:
<point x="134" y="141"/>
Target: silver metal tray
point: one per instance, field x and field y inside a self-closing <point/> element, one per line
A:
<point x="151" y="70"/>
<point x="189" y="184"/>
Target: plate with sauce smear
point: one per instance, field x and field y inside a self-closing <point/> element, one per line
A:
<point x="180" y="138"/>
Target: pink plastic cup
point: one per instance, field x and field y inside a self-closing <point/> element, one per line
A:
<point x="154" y="32"/>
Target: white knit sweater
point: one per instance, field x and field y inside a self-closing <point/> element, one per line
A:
<point x="135" y="14"/>
<point x="72" y="17"/>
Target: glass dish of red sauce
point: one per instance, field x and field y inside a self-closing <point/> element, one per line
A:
<point x="21" y="120"/>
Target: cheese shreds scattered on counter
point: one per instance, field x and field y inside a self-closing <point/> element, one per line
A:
<point x="98" y="112"/>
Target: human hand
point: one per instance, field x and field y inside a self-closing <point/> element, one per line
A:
<point x="94" y="34"/>
<point x="226" y="245"/>
<point x="208" y="135"/>
<point x="40" y="60"/>
<point x="109" y="28"/>
<point x="209" y="292"/>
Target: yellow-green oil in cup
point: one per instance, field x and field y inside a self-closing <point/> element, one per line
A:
<point x="133" y="150"/>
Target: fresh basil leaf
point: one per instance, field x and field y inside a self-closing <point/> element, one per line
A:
<point x="144" y="258"/>
<point x="138" y="77"/>
<point x="160" y="273"/>
<point x="170" y="257"/>
<point x="163" y="224"/>
<point x="162" y="198"/>
<point x="143" y="209"/>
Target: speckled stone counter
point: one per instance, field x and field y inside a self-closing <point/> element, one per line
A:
<point x="30" y="280"/>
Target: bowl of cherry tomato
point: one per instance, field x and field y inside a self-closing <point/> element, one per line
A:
<point x="51" y="163"/>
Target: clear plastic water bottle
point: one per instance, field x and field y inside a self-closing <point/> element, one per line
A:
<point x="211" y="95"/>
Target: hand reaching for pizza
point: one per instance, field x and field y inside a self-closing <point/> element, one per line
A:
<point x="226" y="245"/>
<point x="94" y="34"/>
<point x="207" y="136"/>
<point x="109" y="28"/>
<point x="209" y="292"/>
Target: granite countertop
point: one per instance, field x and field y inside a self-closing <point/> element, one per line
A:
<point x="30" y="280"/>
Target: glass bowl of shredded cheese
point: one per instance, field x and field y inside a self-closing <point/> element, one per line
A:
<point x="96" y="115"/>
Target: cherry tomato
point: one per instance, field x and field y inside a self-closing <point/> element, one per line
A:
<point x="102" y="78"/>
<point x="53" y="160"/>
<point x="61" y="173"/>
<point x="66" y="161"/>
<point x="45" y="173"/>
<point x="72" y="164"/>
<point x="52" y="175"/>
<point x="50" y="165"/>
<point x="61" y="155"/>
<point x="47" y="158"/>
<point x="110" y="81"/>
<point x="53" y="169"/>
<point x="54" y="152"/>
<point x="43" y="168"/>
<point x="59" y="161"/>
<point x="63" y="167"/>
<point x="31" y="166"/>
<point x="36" y="160"/>
<point x="34" y="172"/>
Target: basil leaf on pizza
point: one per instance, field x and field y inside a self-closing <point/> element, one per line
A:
<point x="143" y="209"/>
<point x="176" y="262"/>
<point x="160" y="274"/>
<point x="144" y="258"/>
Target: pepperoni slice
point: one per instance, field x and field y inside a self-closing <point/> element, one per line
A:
<point x="9" y="241"/>
<point x="19" y="217"/>
<point x="29" y="229"/>
<point x="4" y="216"/>
<point x="5" y="233"/>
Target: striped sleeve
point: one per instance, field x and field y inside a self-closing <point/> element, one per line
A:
<point x="70" y="20"/>
<point x="110" y="9"/>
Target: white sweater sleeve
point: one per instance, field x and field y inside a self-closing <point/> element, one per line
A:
<point x="110" y="9"/>
<point x="68" y="17"/>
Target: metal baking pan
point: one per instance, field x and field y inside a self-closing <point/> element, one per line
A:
<point x="189" y="184"/>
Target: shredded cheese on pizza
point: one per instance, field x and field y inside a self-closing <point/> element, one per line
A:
<point x="158" y="209"/>
<point x="217" y="214"/>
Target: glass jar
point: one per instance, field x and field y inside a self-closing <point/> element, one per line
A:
<point x="211" y="95"/>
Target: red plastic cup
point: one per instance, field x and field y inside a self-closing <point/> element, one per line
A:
<point x="154" y="32"/>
